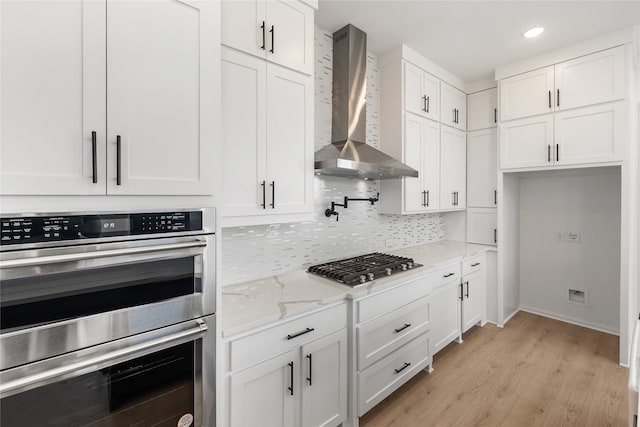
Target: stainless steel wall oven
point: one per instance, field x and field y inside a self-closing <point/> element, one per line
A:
<point x="108" y="319"/>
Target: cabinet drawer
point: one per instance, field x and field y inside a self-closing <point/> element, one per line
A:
<point x="385" y="334"/>
<point x="254" y="348"/>
<point x="447" y="274"/>
<point x="475" y="263"/>
<point x="373" y="306"/>
<point x="383" y="378"/>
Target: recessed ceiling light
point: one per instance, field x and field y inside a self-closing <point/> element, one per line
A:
<point x="534" y="32"/>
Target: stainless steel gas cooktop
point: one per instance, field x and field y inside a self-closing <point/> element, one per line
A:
<point x="361" y="269"/>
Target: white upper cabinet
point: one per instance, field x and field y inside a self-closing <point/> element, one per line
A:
<point x="280" y="31"/>
<point x="267" y="131"/>
<point x="482" y="168"/>
<point x="590" y="79"/>
<point x="482" y="109"/>
<point x="453" y="169"/>
<point x="161" y="97"/>
<point x="453" y="106"/>
<point x="422" y="150"/>
<point x="53" y="99"/>
<point x="527" y="94"/>
<point x="156" y="64"/>
<point x="421" y="92"/>
<point x="527" y="142"/>
<point x="482" y="226"/>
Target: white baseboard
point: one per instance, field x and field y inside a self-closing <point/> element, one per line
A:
<point x="501" y="325"/>
<point x="588" y="325"/>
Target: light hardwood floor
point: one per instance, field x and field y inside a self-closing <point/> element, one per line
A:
<point x="534" y="372"/>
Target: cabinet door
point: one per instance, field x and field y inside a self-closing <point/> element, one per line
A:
<point x="482" y="109"/>
<point x="591" y="134"/>
<point x="414" y="93"/>
<point x="414" y="129"/>
<point x="527" y="94"/>
<point x="445" y="315"/>
<point x="453" y="168"/>
<point x="289" y="34"/>
<point x="162" y="62"/>
<point x="431" y="87"/>
<point x="289" y="141"/>
<point x="527" y="142"/>
<point x="324" y="381"/>
<point x="265" y="394"/>
<point x="482" y="225"/>
<point x="453" y="106"/>
<point x="52" y="94"/>
<point x="590" y="79"/>
<point x="431" y="165"/>
<point x="482" y="168"/>
<point x="473" y="307"/>
<point x="243" y="26"/>
<point x="243" y="143"/>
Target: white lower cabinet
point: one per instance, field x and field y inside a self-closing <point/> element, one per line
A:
<point x="293" y="374"/>
<point x="474" y="292"/>
<point x="446" y="312"/>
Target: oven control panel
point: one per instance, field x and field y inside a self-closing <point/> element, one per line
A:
<point x="38" y="229"/>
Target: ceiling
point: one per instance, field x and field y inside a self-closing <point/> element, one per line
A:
<point x="472" y="38"/>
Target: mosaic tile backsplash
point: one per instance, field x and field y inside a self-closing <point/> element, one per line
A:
<point x="258" y="251"/>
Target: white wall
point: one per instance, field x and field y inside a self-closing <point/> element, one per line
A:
<point x="509" y="244"/>
<point x="586" y="201"/>
<point x="258" y="251"/>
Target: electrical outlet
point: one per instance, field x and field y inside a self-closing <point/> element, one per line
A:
<point x="572" y="237"/>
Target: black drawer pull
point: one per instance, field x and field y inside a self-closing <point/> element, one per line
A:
<point x="118" y="160"/>
<point x="296" y="335"/>
<point x="94" y="158"/>
<point x="406" y="325"/>
<point x="405" y="366"/>
<point x="449" y="275"/>
<point x="475" y="265"/>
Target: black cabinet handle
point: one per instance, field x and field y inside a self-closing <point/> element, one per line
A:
<point x="310" y="369"/>
<point x="461" y="292"/>
<point x="495" y="235"/>
<point x="557" y="152"/>
<point x="297" y="334"/>
<point x="424" y="103"/>
<point x="273" y="32"/>
<point x="549" y="99"/>
<point x="94" y="156"/>
<point x="427" y="104"/>
<point x="263" y="27"/>
<point x="454" y="115"/>
<point x="427" y="198"/>
<point x="495" y="197"/>
<point x="495" y="115"/>
<point x="291" y="378"/>
<point x="406" y="325"/>
<point x="558" y="98"/>
<point x="475" y="264"/>
<point x="424" y="198"/>
<point x="549" y="153"/>
<point x="449" y="275"/>
<point x="264" y="198"/>
<point x="467" y="294"/>
<point x="273" y="194"/>
<point x="405" y="366"/>
<point x="118" y="160"/>
<point x="453" y="196"/>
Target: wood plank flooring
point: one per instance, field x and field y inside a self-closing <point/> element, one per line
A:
<point x="534" y="372"/>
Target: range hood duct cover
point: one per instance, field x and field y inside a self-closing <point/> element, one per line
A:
<point x="348" y="155"/>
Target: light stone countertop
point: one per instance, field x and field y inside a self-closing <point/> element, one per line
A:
<point x="256" y="303"/>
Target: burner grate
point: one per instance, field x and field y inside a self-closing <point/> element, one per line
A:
<point x="359" y="269"/>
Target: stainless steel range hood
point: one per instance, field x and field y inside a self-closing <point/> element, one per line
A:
<point x="348" y="155"/>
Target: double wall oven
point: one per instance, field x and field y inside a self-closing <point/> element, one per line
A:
<point x="108" y="319"/>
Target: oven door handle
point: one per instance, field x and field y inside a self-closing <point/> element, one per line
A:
<point x="56" y="259"/>
<point x="99" y="362"/>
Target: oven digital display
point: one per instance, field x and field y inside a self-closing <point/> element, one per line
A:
<point x="114" y="225"/>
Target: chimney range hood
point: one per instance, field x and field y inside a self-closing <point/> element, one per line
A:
<point x="348" y="155"/>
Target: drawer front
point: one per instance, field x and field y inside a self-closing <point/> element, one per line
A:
<point x="251" y="349"/>
<point x="376" y="305"/>
<point x="473" y="264"/>
<point x="447" y="274"/>
<point x="385" y="334"/>
<point x="383" y="378"/>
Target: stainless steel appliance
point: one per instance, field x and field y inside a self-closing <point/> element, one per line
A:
<point x="360" y="269"/>
<point x="108" y="318"/>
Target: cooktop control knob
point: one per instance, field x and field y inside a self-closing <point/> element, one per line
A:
<point x="403" y="267"/>
<point x="410" y="264"/>
<point x="370" y="276"/>
<point x="387" y="271"/>
<point x="362" y="278"/>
